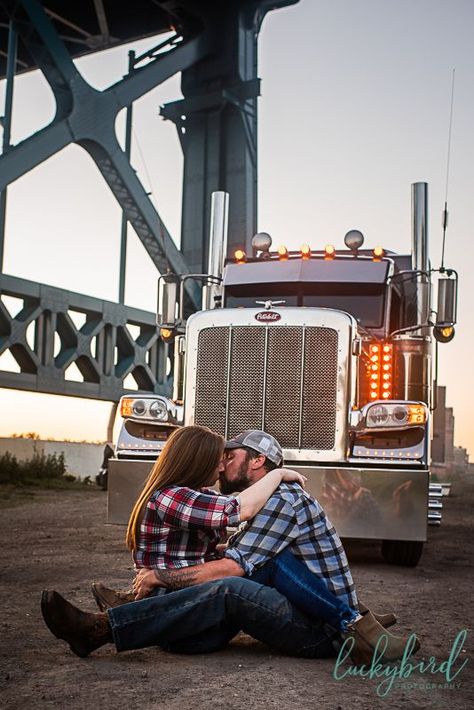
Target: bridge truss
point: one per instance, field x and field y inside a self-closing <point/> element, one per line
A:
<point x="214" y="46"/>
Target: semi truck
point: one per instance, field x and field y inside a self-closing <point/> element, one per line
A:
<point x="333" y="352"/>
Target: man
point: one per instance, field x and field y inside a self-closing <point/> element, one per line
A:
<point x="205" y="618"/>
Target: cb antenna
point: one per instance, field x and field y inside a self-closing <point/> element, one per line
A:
<point x="445" y="211"/>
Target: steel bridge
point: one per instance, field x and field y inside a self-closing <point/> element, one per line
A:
<point x="213" y="43"/>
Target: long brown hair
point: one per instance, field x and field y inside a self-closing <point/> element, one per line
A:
<point x="189" y="458"/>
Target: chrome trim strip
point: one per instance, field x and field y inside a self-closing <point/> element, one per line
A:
<point x="265" y="367"/>
<point x="300" y="426"/>
<point x="227" y="399"/>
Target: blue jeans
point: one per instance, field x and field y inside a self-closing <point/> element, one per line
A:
<point x="308" y="592"/>
<point x="204" y="618"/>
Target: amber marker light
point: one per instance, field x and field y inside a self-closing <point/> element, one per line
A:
<point x="329" y="252"/>
<point x="167" y="334"/>
<point x="378" y="253"/>
<point x="380" y="371"/>
<point x="306" y="251"/>
<point x="126" y="407"/>
<point x="374" y="371"/>
<point x="443" y="334"/>
<point x="416" y="414"/>
<point x="282" y="253"/>
<point x="240" y="256"/>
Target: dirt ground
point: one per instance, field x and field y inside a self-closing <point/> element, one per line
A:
<point x="59" y="540"/>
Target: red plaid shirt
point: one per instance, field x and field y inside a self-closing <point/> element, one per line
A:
<point x="181" y="526"/>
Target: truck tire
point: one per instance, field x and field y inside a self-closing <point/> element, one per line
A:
<point x="402" y="552"/>
<point x="101" y="479"/>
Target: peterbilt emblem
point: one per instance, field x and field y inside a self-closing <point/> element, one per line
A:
<point x="267" y="316"/>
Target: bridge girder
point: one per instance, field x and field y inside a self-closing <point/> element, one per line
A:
<point x="45" y="341"/>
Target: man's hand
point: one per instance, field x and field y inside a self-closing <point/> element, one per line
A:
<point x="145" y="582"/>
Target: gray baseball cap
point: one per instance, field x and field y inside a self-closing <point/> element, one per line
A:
<point x="259" y="441"/>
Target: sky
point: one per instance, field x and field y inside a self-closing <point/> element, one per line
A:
<point x="355" y="107"/>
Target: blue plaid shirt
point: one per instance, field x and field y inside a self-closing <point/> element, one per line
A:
<point x="292" y="518"/>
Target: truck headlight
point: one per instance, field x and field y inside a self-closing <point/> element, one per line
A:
<point x="378" y="415"/>
<point x="138" y="408"/>
<point x="158" y="410"/>
<point x="395" y="414"/>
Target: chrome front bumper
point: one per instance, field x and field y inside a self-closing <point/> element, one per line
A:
<point x="379" y="504"/>
<point x="125" y="481"/>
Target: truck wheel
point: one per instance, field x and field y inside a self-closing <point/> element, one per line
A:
<point x="101" y="480"/>
<point x="402" y="552"/>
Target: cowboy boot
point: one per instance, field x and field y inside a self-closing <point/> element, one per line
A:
<point x="107" y="598"/>
<point x="368" y="635"/>
<point x="83" y="632"/>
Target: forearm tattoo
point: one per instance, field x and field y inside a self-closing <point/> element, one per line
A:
<point x="177" y="578"/>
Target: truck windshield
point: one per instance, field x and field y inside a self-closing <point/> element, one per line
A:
<point x="363" y="301"/>
<point x="247" y="295"/>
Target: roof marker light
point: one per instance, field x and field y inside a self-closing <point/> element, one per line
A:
<point x="329" y="252"/>
<point x="378" y="253"/>
<point x="240" y="256"/>
<point x="305" y="251"/>
<point x="282" y="252"/>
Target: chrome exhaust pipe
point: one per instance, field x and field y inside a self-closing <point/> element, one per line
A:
<point x="421" y="263"/>
<point x="217" y="246"/>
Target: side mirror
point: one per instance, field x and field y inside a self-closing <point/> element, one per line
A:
<point x="447" y="300"/>
<point x="167" y="302"/>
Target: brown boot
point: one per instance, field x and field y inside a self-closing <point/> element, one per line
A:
<point x="384" y="620"/>
<point x="367" y="632"/>
<point x="110" y="598"/>
<point x="83" y="632"/>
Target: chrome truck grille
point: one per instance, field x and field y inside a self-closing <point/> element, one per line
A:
<point x="282" y="379"/>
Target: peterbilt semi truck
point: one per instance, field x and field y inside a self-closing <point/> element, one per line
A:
<point x="333" y="352"/>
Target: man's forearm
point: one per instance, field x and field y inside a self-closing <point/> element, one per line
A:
<point x="198" y="574"/>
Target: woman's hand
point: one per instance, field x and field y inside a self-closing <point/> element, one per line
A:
<point x="253" y="498"/>
<point x="290" y="476"/>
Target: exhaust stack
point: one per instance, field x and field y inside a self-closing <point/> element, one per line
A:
<point x="419" y="196"/>
<point x="217" y="246"/>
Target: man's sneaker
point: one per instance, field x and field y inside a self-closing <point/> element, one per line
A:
<point x="83" y="632"/>
<point x="110" y="598"/>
